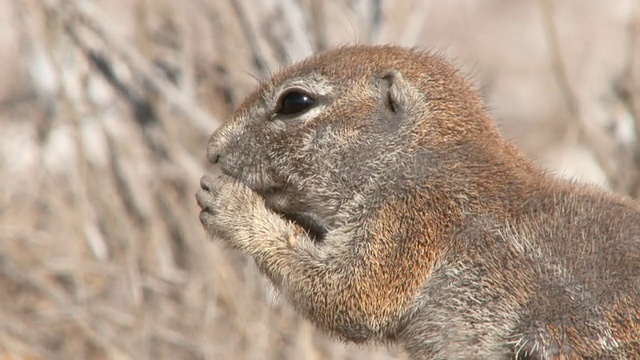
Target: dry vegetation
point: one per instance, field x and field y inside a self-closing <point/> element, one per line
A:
<point x="105" y="110"/>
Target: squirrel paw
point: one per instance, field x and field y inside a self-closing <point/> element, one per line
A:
<point x="228" y="207"/>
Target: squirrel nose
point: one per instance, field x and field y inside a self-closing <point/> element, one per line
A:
<point x="213" y="157"/>
<point x="222" y="140"/>
<point x="216" y="146"/>
<point x="213" y="154"/>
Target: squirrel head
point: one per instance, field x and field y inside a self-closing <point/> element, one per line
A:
<point x="329" y="130"/>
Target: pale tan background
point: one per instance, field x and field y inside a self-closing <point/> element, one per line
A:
<point x="105" y="110"/>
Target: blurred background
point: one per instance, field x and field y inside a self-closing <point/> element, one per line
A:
<point x="105" y="111"/>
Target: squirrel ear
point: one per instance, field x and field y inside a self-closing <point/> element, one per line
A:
<point x="395" y="91"/>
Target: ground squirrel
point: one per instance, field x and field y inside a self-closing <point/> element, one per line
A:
<point x="371" y="186"/>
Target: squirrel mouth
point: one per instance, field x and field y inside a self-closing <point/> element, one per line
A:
<point x="315" y="230"/>
<point x="275" y="199"/>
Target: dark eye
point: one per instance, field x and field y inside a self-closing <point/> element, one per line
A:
<point x="294" y="102"/>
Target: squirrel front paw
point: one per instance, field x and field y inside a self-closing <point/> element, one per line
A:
<point x="228" y="208"/>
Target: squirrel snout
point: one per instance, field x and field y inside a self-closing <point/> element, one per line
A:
<point x="215" y="147"/>
<point x="213" y="157"/>
<point x="224" y="139"/>
<point x="213" y="153"/>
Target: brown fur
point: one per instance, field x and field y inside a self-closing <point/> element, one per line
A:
<point x="393" y="211"/>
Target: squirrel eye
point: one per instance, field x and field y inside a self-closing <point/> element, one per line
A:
<point x="294" y="102"/>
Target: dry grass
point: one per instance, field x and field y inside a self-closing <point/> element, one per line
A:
<point x="105" y="110"/>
